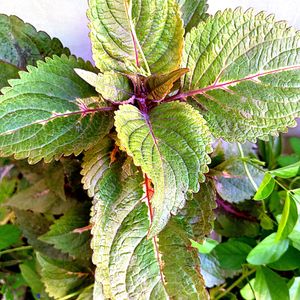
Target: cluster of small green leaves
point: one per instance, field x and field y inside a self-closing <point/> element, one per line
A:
<point x="168" y="78"/>
<point x="255" y="253"/>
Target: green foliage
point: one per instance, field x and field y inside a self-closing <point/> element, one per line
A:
<point x="141" y="131"/>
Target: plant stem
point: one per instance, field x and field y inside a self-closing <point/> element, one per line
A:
<point x="237" y="282"/>
<point x="246" y="168"/>
<point x="15" y="249"/>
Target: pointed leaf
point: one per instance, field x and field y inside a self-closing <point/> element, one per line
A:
<point x="51" y="108"/>
<point x="128" y="265"/>
<point x="126" y="33"/>
<point x="173" y="156"/>
<point x="245" y="69"/>
<point x="63" y="237"/>
<point x="286" y="172"/>
<point x="21" y="45"/>
<point x="266" y="187"/>
<point x="159" y="86"/>
<point x="193" y="12"/>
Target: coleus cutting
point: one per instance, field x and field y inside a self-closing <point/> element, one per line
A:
<point x="168" y="79"/>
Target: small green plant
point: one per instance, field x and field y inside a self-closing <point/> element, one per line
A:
<point x="140" y="126"/>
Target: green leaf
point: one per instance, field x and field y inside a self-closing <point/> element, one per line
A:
<point x="232" y="254"/>
<point x="173" y="156"/>
<point x="268" y="250"/>
<point x="233" y="184"/>
<point x="37" y="226"/>
<point x="295" y="144"/>
<point x="288" y="261"/>
<point x="52" y="112"/>
<point x="159" y="86"/>
<point x="86" y="294"/>
<point x="247" y="291"/>
<point x="269" y="285"/>
<point x="129" y="34"/>
<point x="193" y="12"/>
<point x="95" y="162"/>
<point x="288" y="218"/>
<point x="39" y="198"/>
<point x="294" y="289"/>
<point x="286" y="172"/>
<point x="60" y="277"/>
<point x="266" y="187"/>
<point x="63" y="237"/>
<point x="10" y="234"/>
<point x="206" y="247"/>
<point x="32" y="278"/>
<point x="21" y="45"/>
<point x="245" y="69"/>
<point x="128" y="264"/>
<point x="114" y="86"/>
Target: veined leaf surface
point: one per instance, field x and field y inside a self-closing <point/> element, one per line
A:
<point x="193" y="12"/>
<point x="246" y="70"/>
<point x="171" y="145"/>
<point x="127" y="33"/>
<point x="50" y="112"/>
<point x="21" y="45"/>
<point x="129" y="266"/>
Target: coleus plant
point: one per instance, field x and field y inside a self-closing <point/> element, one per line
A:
<point x="169" y="79"/>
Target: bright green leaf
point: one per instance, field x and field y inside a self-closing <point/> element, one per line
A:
<point x="193" y="12"/>
<point x="268" y="250"/>
<point x="9" y="235"/>
<point x="121" y="32"/>
<point x="51" y="107"/>
<point x="288" y="218"/>
<point x="21" y="45"/>
<point x="294" y="289"/>
<point x="266" y="187"/>
<point x="206" y="247"/>
<point x="268" y="285"/>
<point x="287" y="172"/>
<point x="247" y="291"/>
<point x="171" y="145"/>
<point x="240" y="65"/>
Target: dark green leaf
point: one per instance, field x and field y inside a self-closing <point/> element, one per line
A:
<point x="232" y="254"/>
<point x="288" y="261"/>
<point x="295" y="144"/>
<point x="21" y="45"/>
<point x="269" y="285"/>
<point x="268" y="250"/>
<point x="266" y="187"/>
<point x="9" y="235"/>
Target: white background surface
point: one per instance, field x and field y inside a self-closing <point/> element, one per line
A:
<point x="66" y="19"/>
